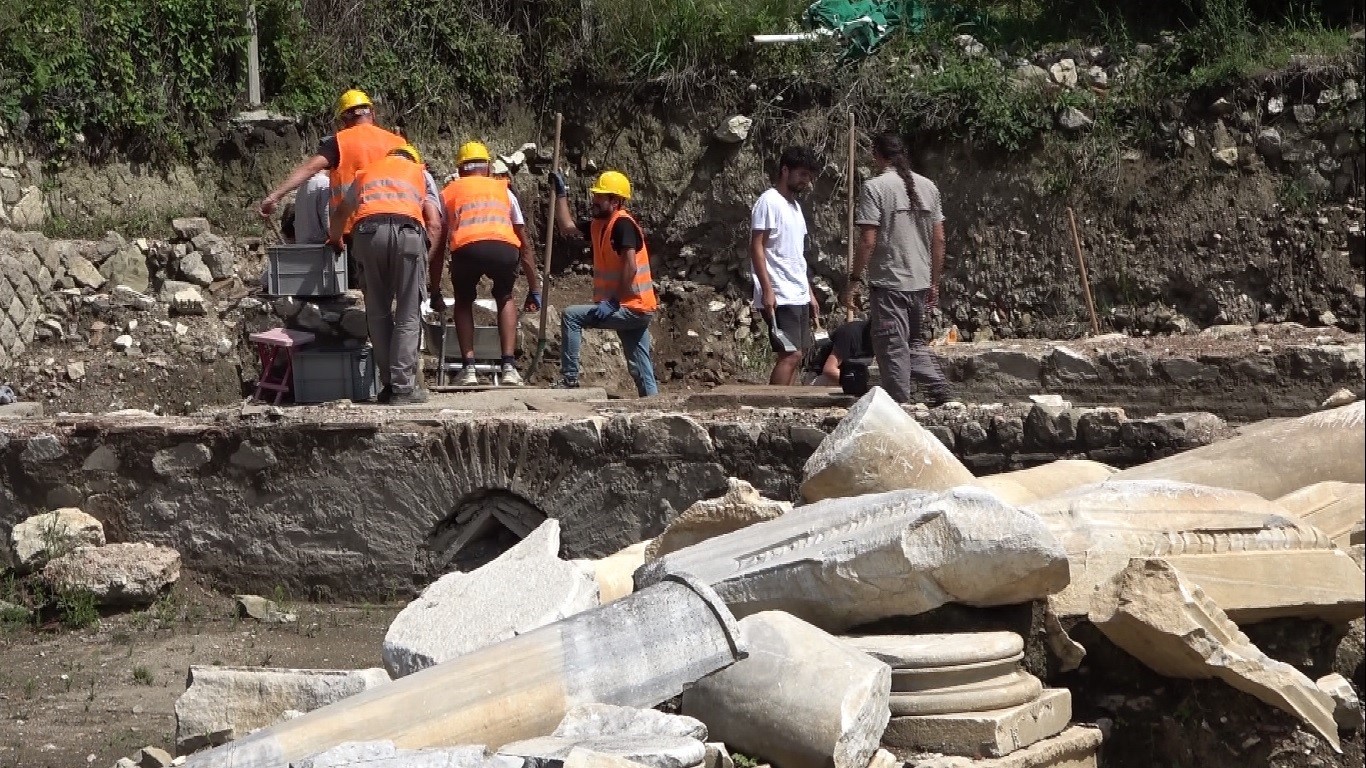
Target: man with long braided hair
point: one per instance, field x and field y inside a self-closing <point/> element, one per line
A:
<point x="901" y="248"/>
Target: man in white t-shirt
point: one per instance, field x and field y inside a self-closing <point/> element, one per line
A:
<point x="782" y="292"/>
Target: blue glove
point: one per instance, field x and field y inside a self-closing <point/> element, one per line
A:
<point x="605" y="309"/>
<point x="533" y="302"/>
<point x="557" y="180"/>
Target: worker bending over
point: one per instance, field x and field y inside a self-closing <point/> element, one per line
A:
<point x="484" y="232"/>
<point x="622" y="286"/>
<point x="396" y="226"/>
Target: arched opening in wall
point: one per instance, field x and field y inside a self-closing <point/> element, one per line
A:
<point x="484" y="525"/>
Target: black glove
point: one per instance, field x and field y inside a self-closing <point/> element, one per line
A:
<point x="557" y="179"/>
<point x="437" y="303"/>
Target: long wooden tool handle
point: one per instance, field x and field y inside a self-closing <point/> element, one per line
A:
<point x="849" y="176"/>
<point x="549" y="236"/>
<point x="1085" y="279"/>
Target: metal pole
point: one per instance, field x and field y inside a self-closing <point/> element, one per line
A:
<point x="850" y="178"/>
<point x="549" y="250"/>
<point x="253" y="58"/>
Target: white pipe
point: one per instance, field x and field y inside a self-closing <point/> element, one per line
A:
<point x="795" y="37"/>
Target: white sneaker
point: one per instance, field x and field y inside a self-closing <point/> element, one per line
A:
<point x="510" y="377"/>
<point x="467" y="377"/>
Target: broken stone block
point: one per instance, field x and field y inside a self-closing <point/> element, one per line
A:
<point x="1009" y="689"/>
<point x="383" y="754"/>
<point x="1169" y="624"/>
<point x="225" y="703"/>
<point x="878" y="447"/>
<point x="638" y="651"/>
<point x="263" y="610"/>
<point x="803" y="699"/>
<point x="586" y="758"/>
<point x="591" y="720"/>
<point x="1026" y="485"/>
<point x="524" y="588"/>
<point x="41" y="537"/>
<point x="152" y="757"/>
<point x="615" y="573"/>
<point x="843" y="562"/>
<point x="116" y="574"/>
<point x="190" y="227"/>
<point x="939" y="650"/>
<point x="1334" y="508"/>
<point x="1296" y="583"/>
<point x="1076" y="747"/>
<point x="718" y="756"/>
<point x="984" y="734"/>
<point x="740" y="506"/>
<point x="1274" y="457"/>
<point x="1103" y="526"/>
<point x="1346" y="705"/>
<point x="652" y="751"/>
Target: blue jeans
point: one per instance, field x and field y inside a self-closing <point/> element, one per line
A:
<point x="633" y="328"/>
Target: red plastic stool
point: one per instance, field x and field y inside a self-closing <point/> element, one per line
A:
<point x="269" y="344"/>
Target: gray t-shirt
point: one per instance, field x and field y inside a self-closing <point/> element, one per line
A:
<point x="901" y="258"/>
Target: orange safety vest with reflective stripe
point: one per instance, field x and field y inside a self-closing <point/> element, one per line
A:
<point x="478" y="210"/>
<point x="392" y="185"/>
<point x="357" y="147"/>
<point x="639" y="296"/>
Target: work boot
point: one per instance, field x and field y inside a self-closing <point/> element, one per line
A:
<point x="509" y="377"/>
<point x="385" y="395"/>
<point x="416" y="397"/>
<point x="467" y="378"/>
<point x="564" y="383"/>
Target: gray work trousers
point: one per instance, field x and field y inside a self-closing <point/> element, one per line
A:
<point x="393" y="261"/>
<point x="901" y="354"/>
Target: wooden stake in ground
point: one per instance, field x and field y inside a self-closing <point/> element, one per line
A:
<point x="549" y="251"/>
<point x="1085" y="280"/>
<point x="850" y="177"/>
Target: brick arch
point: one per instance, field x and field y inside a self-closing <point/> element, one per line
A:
<point x="483" y="525"/>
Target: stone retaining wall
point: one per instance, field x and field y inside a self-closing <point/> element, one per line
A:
<point x="370" y="509"/>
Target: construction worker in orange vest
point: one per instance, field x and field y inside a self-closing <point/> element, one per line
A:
<point x="485" y="235"/>
<point x="395" y="236"/>
<point x="622" y="285"/>
<point x="358" y="143"/>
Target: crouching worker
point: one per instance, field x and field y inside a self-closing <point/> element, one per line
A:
<point x="397" y="233"/>
<point x="622" y="286"/>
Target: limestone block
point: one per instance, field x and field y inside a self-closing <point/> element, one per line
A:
<point x="586" y="758"/>
<point x="638" y="651"/>
<point x="41" y="537"/>
<point x="1346" y="705"/>
<point x="383" y="754"/>
<point x="878" y="447"/>
<point x="1103" y="526"/>
<point x="116" y="574"/>
<point x="1169" y="624"/>
<point x="884" y="759"/>
<point x="1334" y="508"/>
<point x="127" y="267"/>
<point x="592" y="720"/>
<point x="1076" y="747"/>
<point x="653" y="751"/>
<point x="984" y="734"/>
<point x="84" y="273"/>
<point x="615" y="573"/>
<point x="1026" y="485"/>
<point x="803" y="699"/>
<point x="189" y="227"/>
<point x="843" y="562"/>
<point x="224" y="703"/>
<point x="524" y="588"/>
<point x="183" y="459"/>
<point x="152" y="757"/>
<point x="1275" y="457"/>
<point x="1301" y="583"/>
<point x="740" y="506"/>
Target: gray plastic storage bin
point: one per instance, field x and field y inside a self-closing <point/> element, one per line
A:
<point x="305" y="270"/>
<point x="326" y="373"/>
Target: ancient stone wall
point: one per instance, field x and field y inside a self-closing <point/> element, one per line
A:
<point x="364" y="508"/>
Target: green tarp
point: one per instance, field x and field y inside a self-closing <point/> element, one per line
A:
<point x="864" y="24"/>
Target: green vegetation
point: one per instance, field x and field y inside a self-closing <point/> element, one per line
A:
<point x="154" y="75"/>
<point x="143" y="676"/>
<point x="78" y="609"/>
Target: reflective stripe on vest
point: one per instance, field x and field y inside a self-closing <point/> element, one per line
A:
<point x="357" y="147"/>
<point x="478" y="210"/>
<point x="392" y="185"/>
<point x="639" y="296"/>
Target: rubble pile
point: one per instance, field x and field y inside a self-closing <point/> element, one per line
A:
<point x="1167" y="561"/>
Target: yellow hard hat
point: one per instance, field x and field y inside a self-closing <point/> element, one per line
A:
<point x="472" y="152"/>
<point x="612" y="183"/>
<point x="410" y="151"/>
<point x="350" y="100"/>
